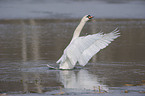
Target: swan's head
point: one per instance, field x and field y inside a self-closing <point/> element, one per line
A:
<point x="87" y="17"/>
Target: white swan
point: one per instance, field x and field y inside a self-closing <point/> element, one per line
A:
<point x="81" y="49"/>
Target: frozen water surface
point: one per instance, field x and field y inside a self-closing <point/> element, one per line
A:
<point x="27" y="46"/>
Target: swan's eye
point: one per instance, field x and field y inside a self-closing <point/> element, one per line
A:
<point x="89" y="16"/>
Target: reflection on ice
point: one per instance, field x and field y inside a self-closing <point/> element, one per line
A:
<point x="81" y="80"/>
<point x="35" y="52"/>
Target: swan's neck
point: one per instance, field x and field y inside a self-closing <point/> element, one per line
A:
<point x="79" y="29"/>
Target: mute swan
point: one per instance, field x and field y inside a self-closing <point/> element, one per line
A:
<point x="81" y="49"/>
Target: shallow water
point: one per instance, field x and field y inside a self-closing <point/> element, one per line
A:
<point x="27" y="46"/>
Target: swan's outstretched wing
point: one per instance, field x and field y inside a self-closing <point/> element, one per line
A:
<point x="83" y="48"/>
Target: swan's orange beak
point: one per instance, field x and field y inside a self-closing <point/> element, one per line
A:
<point x="90" y="17"/>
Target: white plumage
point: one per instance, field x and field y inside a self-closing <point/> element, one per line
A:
<point x="82" y="49"/>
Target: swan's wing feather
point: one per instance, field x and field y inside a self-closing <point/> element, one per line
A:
<point x="62" y="59"/>
<point x="69" y="54"/>
<point x="83" y="48"/>
<point x="73" y="52"/>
